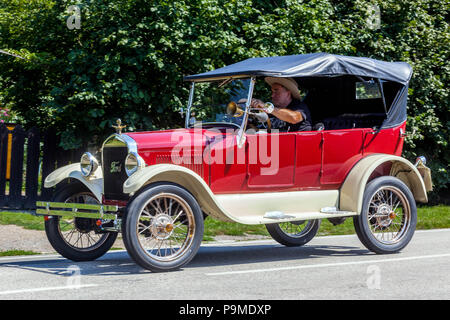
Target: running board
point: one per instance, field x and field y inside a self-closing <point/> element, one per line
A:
<point x="334" y="211"/>
<point x="279" y="216"/>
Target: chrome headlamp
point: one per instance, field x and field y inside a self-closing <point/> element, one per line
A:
<point x="88" y="164"/>
<point x="133" y="162"/>
<point x="421" y="159"/>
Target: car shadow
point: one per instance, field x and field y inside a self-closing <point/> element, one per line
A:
<point x="112" y="263"/>
<point x="233" y="255"/>
<point x="116" y="263"/>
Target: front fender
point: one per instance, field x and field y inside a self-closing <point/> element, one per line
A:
<point x="183" y="177"/>
<point x="93" y="183"/>
<point x="352" y="190"/>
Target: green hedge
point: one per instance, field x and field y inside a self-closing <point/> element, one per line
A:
<point x="128" y="58"/>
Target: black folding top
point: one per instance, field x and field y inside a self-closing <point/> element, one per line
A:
<point x="313" y="64"/>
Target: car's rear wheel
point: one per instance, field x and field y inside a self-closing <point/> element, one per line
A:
<point x="294" y="233"/>
<point x="77" y="239"/>
<point x="389" y="215"/>
<point x="163" y="228"/>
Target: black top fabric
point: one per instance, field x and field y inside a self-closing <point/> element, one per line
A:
<point x="304" y="125"/>
<point x="324" y="65"/>
<point x="313" y="64"/>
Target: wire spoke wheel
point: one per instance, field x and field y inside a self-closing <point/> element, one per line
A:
<point x="80" y="233"/>
<point x="293" y="233"/>
<point x="163" y="227"/>
<point x="166" y="227"/>
<point x="388" y="217"/>
<point x="77" y="239"/>
<point x="296" y="229"/>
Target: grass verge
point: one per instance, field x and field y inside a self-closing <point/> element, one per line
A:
<point x="432" y="217"/>
<point x="22" y="219"/>
<point x="429" y="217"/>
<point x="9" y="253"/>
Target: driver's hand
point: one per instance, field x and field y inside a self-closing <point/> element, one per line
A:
<point x="256" y="103"/>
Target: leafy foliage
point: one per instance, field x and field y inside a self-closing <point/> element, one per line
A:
<point x="129" y="57"/>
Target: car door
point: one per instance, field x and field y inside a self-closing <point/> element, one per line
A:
<point x="227" y="163"/>
<point x="341" y="150"/>
<point x="308" y="159"/>
<point x="271" y="160"/>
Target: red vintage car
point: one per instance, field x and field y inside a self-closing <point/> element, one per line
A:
<point x="231" y="164"/>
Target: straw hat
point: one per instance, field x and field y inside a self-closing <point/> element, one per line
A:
<point x="289" y="83"/>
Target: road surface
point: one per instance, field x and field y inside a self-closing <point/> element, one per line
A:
<point x="334" y="267"/>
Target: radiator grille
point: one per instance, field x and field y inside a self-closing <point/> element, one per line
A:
<point x="114" y="174"/>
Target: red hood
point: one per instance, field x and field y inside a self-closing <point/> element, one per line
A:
<point x="166" y="140"/>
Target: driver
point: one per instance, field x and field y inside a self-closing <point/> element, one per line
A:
<point x="289" y="113"/>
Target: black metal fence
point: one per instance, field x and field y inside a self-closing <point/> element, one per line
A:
<point x="26" y="158"/>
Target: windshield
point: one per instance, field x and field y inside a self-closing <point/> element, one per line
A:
<point x="211" y="98"/>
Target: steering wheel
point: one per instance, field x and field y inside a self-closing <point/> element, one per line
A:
<point x="234" y="110"/>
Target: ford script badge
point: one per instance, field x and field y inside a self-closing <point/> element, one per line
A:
<point x="115" y="167"/>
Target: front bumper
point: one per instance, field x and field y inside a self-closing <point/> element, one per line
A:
<point x="77" y="210"/>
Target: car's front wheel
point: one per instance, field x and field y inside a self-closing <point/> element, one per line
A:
<point x="294" y="233"/>
<point x="163" y="228"/>
<point x="77" y="239"/>
<point x="389" y="215"/>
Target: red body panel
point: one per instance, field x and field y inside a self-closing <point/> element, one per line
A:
<point x="341" y="150"/>
<point x="310" y="160"/>
<point x="389" y="141"/>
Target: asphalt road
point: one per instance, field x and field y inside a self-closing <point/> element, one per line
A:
<point x="335" y="267"/>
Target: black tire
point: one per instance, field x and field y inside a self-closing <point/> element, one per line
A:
<point x="388" y="217"/>
<point x="158" y="220"/>
<point x="71" y="247"/>
<point x="294" y="234"/>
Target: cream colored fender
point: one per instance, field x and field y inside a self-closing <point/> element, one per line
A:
<point x="94" y="183"/>
<point x="181" y="176"/>
<point x="243" y="208"/>
<point x="352" y="190"/>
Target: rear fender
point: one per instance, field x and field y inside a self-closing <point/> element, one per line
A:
<point x="93" y="183"/>
<point x="352" y="190"/>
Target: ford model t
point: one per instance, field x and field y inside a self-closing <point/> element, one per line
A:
<point x="230" y="163"/>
